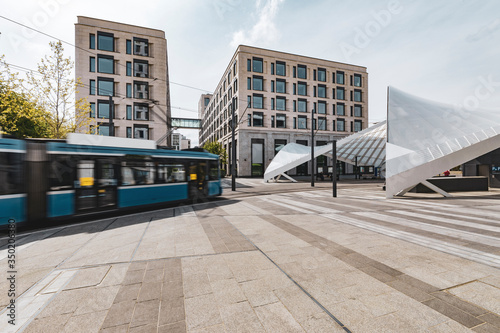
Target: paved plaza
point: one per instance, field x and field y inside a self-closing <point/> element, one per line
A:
<point x="291" y="259"/>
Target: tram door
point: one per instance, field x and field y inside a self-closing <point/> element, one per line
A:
<point x="198" y="186"/>
<point x="96" y="184"/>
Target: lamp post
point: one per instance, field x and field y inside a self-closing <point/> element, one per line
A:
<point x="334" y="168"/>
<point x="111" y="114"/>
<point x="233" y="148"/>
<point x="312" y="148"/>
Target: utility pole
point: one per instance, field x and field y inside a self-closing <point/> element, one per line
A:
<point x="111" y="124"/>
<point x="334" y="168"/>
<point x="233" y="148"/>
<point x="312" y="149"/>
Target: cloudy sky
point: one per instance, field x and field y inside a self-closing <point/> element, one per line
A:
<point x="447" y="51"/>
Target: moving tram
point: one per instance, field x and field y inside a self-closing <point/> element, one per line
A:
<point x="55" y="179"/>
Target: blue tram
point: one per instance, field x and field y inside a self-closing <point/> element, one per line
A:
<point x="46" y="179"/>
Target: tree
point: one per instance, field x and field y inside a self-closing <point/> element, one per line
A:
<point x="54" y="89"/>
<point x="19" y="116"/>
<point x="217" y="149"/>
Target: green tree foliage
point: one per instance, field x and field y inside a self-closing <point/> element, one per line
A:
<point x="54" y="89"/>
<point x="217" y="149"/>
<point x="19" y="116"/>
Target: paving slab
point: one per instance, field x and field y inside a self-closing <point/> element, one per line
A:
<point x="293" y="260"/>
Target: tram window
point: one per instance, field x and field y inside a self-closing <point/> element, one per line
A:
<point x="11" y="173"/>
<point x="107" y="174"/>
<point x="214" y="170"/>
<point x="85" y="173"/>
<point x="138" y="173"/>
<point x="61" y="173"/>
<point x="171" y="173"/>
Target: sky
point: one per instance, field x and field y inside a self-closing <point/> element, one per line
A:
<point x="445" y="51"/>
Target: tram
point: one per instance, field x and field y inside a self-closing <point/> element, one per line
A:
<point x="85" y="174"/>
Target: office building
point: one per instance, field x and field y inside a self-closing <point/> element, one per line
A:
<point x="275" y="94"/>
<point x="128" y="63"/>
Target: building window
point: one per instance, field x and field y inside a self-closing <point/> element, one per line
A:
<point x="272" y="103"/>
<point x="340" y="77"/>
<point x="357" y="125"/>
<point x="322" y="123"/>
<point x="302" y="122"/>
<point x="92" y="41"/>
<point x="235" y="68"/>
<point x="280" y="68"/>
<point x="105" y="64"/>
<point x="321" y="91"/>
<point x="257" y="65"/>
<point x="141" y="90"/>
<point x="129" y="68"/>
<point x="322" y="74"/>
<point x="141" y="68"/>
<point x="141" y="111"/>
<point x="128" y="46"/>
<point x="272" y="121"/>
<point x="357" y="95"/>
<point x="103" y="109"/>
<point x="302" y="89"/>
<point x="314" y="74"/>
<point x="294" y="71"/>
<point x="302" y="105"/>
<point x="333" y="123"/>
<point x="258" y="83"/>
<point x="249" y="83"/>
<point x="129" y="90"/>
<point x="358" y="111"/>
<point x="249" y="65"/>
<point x="105" y="87"/>
<point x="340" y="93"/>
<point x="272" y="86"/>
<point x="281" y="103"/>
<point x="258" y="102"/>
<point x="295" y="89"/>
<point x="92" y="64"/>
<point x="302" y="72"/>
<point x="272" y="68"/>
<point x="258" y="119"/>
<point x="340" y="109"/>
<point x="92" y="87"/>
<point x="249" y="101"/>
<point x="333" y="93"/>
<point x="322" y="107"/>
<point x="103" y="129"/>
<point x="357" y="80"/>
<point x="340" y="125"/>
<point x="281" y="121"/>
<point x="235" y="85"/>
<point x="294" y="106"/>
<point x="141" y="132"/>
<point x="281" y="86"/>
<point x="333" y="109"/>
<point x="141" y="47"/>
<point x="278" y="145"/>
<point x="294" y="123"/>
<point x="129" y="112"/>
<point x="249" y="120"/>
<point x="92" y="110"/>
<point x="314" y="91"/>
<point x="129" y="132"/>
<point x="105" y="41"/>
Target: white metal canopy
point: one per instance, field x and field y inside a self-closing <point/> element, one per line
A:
<point x="425" y="138"/>
<point x="367" y="145"/>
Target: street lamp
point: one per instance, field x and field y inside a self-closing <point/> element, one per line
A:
<point x="312" y="148"/>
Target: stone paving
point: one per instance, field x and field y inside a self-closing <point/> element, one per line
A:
<point x="292" y="259"/>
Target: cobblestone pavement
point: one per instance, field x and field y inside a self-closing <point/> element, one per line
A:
<point x="293" y="259"/>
